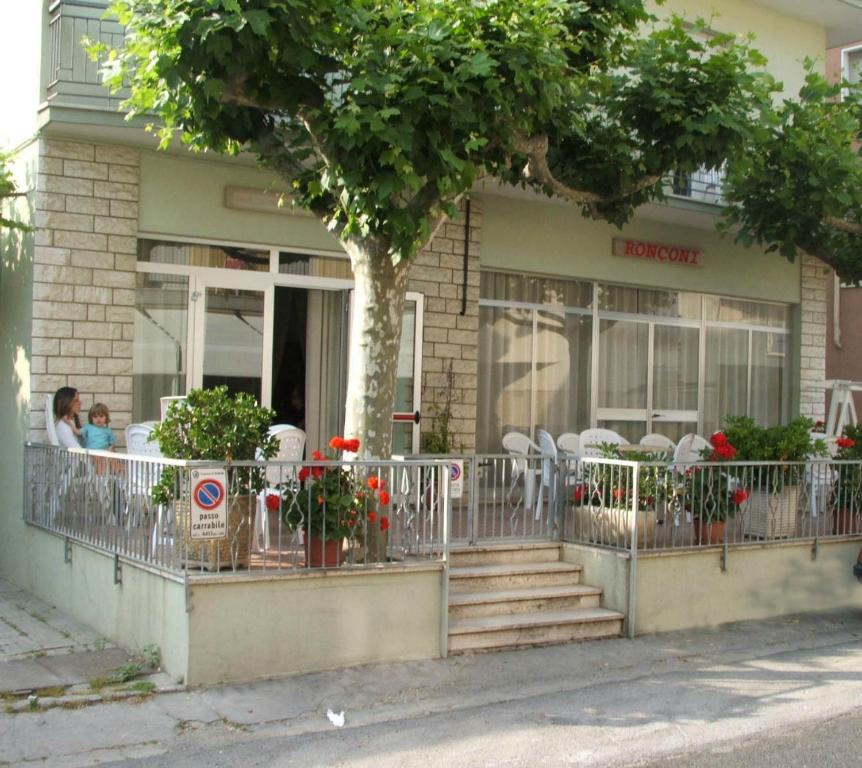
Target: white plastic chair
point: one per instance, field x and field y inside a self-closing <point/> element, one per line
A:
<point x="517" y="444"/>
<point x="50" y="426"/>
<point x="655" y="440"/>
<point x="291" y="447"/>
<point x="592" y="439"/>
<point x="569" y="442"/>
<point x="142" y="478"/>
<point x="549" y="448"/>
<point x="138" y="441"/>
<point x="690" y="449"/>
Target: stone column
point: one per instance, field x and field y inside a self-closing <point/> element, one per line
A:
<point x="84" y="277"/>
<point x="812" y="358"/>
<point x="451" y="339"/>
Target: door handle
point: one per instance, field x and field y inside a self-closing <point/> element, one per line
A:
<point x="415" y="416"/>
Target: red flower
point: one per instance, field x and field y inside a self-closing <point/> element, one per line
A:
<point x="618" y="493"/>
<point x="739" y="496"/>
<point x="384" y="498"/>
<point x="317" y="472"/>
<point x="578" y="495"/>
<point x="351" y="445"/>
<point x="272" y="501"/>
<point x="303" y="474"/>
<point x="819" y="426"/>
<point x="723" y="452"/>
<point x="337" y="443"/>
<point x="845" y="442"/>
<point x="318" y="456"/>
<point x="375" y="482"/>
<point x="718" y="438"/>
<point x="384" y="523"/>
<point x="372" y="516"/>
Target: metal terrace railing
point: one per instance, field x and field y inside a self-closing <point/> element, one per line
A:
<point x="107" y="500"/>
<point x="658" y="506"/>
<point x="155" y="511"/>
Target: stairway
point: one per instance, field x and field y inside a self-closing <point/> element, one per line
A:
<point x="516" y="595"/>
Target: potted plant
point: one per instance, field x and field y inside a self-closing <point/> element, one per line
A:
<point x="847" y="482"/>
<point x="610" y="488"/>
<point x="211" y="424"/>
<point x="774" y="491"/>
<point x="713" y="494"/>
<point x="332" y="503"/>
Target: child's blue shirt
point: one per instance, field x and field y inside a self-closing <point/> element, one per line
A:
<point x="97" y="438"/>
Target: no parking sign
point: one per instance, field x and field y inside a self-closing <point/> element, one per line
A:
<point x="209" y="507"/>
<point x="456" y="479"/>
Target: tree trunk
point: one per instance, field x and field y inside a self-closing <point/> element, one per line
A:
<point x="375" y="332"/>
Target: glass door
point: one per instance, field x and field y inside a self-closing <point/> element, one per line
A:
<point x="623" y="377"/>
<point x="408" y="381"/>
<point x="229" y="335"/>
<point x="648" y="377"/>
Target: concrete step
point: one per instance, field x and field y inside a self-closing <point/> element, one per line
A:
<point x="477" y="578"/>
<point x="520" y="601"/>
<point x="499" y="554"/>
<point x="499" y="632"/>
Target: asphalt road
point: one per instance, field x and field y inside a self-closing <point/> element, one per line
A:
<point x="832" y="743"/>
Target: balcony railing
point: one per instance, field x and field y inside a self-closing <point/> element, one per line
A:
<point x="73" y="78"/>
<point x="704" y="185"/>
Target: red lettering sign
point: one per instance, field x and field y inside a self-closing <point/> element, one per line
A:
<point x="640" y="249"/>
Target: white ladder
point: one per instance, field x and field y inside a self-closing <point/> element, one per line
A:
<point x="842" y="410"/>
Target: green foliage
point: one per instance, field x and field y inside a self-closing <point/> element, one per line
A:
<point x="126" y="672"/>
<point x="847" y="488"/>
<point x="152" y="655"/>
<point x="382" y="115"/>
<point x="8" y="190"/>
<point x="790" y="442"/>
<point x="439" y="439"/>
<point x="210" y="424"/>
<point x="798" y="183"/>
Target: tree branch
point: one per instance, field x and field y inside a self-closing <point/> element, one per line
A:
<point x="842" y="225"/>
<point x="537" y="169"/>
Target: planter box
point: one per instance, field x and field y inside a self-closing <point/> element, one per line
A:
<point x="215" y="554"/>
<point x="772" y="515"/>
<point x="611" y="526"/>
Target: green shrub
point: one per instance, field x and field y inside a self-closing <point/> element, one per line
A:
<point x="210" y="424"/>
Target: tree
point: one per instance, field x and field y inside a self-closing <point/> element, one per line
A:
<point x="8" y="191"/>
<point x="383" y="115"/>
<point x="797" y="186"/>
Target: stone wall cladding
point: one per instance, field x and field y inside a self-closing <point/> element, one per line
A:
<point x="450" y="337"/>
<point x="86" y="214"/>
<point x="812" y="362"/>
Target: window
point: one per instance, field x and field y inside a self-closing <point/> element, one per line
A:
<point x="565" y="355"/>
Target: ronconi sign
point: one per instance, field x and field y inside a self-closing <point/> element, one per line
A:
<point x="661" y="252"/>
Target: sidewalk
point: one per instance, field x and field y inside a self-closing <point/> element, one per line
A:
<point x="682" y="687"/>
<point x="47" y="652"/>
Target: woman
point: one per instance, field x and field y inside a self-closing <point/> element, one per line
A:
<point x="67" y="404"/>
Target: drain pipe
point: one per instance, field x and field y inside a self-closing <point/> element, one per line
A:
<point x="836" y="310"/>
<point x="466" y="255"/>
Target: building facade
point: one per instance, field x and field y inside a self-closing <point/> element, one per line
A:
<point x="150" y="273"/>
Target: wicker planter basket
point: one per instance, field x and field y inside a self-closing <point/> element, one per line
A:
<point x="213" y="555"/>
<point x="772" y="515"/>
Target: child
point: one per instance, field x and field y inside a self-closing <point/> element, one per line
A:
<point x="97" y="435"/>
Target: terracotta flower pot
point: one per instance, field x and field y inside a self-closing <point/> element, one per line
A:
<point x="322" y="554"/>
<point x="708" y="532"/>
